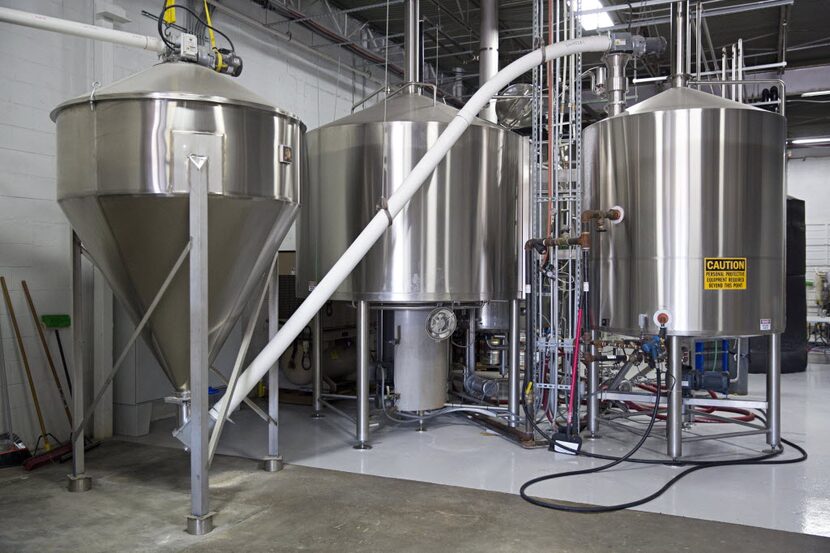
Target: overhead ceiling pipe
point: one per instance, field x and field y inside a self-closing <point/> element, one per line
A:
<point x="64" y="26"/>
<point x="412" y="42"/>
<point x="488" y="57"/>
<point x="679" y="30"/>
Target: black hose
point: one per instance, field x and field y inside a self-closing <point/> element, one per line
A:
<point x="601" y="508"/>
<point x="765" y="459"/>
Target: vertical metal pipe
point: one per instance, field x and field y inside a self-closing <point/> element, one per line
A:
<point x="593" y="387"/>
<point x="488" y="56"/>
<point x="412" y="42"/>
<point x="471" y="343"/>
<point x="363" y="366"/>
<point x="674" y="422"/>
<point x="316" y="366"/>
<point x="740" y="69"/>
<point x="724" y="62"/>
<point x="78" y="481"/>
<point x="774" y="392"/>
<point x="679" y="18"/>
<point x="698" y="40"/>
<point x="273" y="462"/>
<point x="200" y="520"/>
<point x="513" y="380"/>
<point x="616" y="82"/>
<point x="734" y="68"/>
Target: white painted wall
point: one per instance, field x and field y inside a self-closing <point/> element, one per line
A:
<point x="44" y="69"/>
<point x="809" y="179"/>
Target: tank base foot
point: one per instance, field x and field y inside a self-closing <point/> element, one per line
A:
<point x="317" y="415"/>
<point x="199" y="526"/>
<point x="273" y="464"/>
<point x="79" y="483"/>
<point x="362" y="445"/>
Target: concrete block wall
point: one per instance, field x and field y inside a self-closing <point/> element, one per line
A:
<point x="45" y="69"/>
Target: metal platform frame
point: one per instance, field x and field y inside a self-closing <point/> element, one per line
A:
<point x="677" y="404"/>
<point x="201" y="434"/>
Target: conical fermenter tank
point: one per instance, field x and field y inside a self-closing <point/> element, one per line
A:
<point x="123" y="183"/>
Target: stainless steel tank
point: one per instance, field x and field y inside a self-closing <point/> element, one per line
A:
<point x="123" y="183"/>
<point x="701" y="182"/>
<point x="460" y="237"/>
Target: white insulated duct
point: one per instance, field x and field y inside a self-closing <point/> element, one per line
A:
<point x="269" y="355"/>
<point x="54" y="24"/>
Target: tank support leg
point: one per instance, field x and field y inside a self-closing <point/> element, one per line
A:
<point x="273" y="462"/>
<point x="200" y="520"/>
<point x="674" y="422"/>
<point x="316" y="366"/>
<point x="363" y="366"/>
<point x="593" y="388"/>
<point x="513" y="381"/>
<point x="78" y="481"/>
<point x="774" y="392"/>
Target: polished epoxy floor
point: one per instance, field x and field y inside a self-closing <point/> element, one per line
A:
<point x="794" y="498"/>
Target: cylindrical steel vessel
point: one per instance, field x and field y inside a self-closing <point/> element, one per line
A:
<point x="125" y="167"/>
<point x="459" y="238"/>
<point x="421" y="363"/>
<point x="701" y="182"/>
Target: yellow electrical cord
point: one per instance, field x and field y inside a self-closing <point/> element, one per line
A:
<point x="220" y="64"/>
<point x="170" y="15"/>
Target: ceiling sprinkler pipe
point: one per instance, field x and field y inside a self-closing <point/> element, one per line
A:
<point x="396" y="202"/>
<point x="74" y="28"/>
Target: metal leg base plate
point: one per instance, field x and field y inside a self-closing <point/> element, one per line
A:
<point x="362" y="445"/>
<point x="317" y="415"/>
<point x="273" y="464"/>
<point x="199" y="526"/>
<point x="79" y="483"/>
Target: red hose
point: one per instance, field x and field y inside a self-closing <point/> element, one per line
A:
<point x="575" y="366"/>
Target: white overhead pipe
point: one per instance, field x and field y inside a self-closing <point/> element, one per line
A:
<point x="396" y="202"/>
<point x="75" y="28"/>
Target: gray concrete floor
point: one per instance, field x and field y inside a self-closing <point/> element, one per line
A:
<point x="141" y="497"/>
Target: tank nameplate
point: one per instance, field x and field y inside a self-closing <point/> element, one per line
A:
<point x="724" y="273"/>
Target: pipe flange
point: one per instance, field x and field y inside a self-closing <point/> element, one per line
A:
<point x="441" y="323"/>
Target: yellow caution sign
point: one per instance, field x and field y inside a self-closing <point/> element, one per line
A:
<point x="724" y="273"/>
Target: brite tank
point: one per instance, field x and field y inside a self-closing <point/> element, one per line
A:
<point x="124" y="174"/>
<point x="701" y="182"/>
<point x="459" y="238"/>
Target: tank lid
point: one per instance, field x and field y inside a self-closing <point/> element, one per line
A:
<point x="685" y="98"/>
<point x="177" y="81"/>
<point x="406" y="107"/>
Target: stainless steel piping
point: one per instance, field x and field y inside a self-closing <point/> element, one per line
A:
<point x="679" y="19"/>
<point x="616" y="82"/>
<point x="488" y="56"/>
<point x="412" y="42"/>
